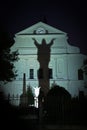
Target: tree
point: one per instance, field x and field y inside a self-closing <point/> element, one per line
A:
<point x="7" y="58"/>
<point x="30" y="96"/>
<point x="57" y="105"/>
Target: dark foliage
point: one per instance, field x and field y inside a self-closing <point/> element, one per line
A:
<point x="58" y="105"/>
<point x="7" y="58"/>
<point x="10" y="116"/>
<point x="61" y="108"/>
<point x="30" y="96"/>
<point x="79" y="110"/>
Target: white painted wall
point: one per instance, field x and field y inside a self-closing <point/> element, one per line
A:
<point x="65" y="60"/>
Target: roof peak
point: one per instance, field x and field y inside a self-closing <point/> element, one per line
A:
<point x="50" y="29"/>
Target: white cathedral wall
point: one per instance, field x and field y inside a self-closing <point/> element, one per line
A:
<point x="75" y="62"/>
<point x="65" y="72"/>
<point x="65" y="61"/>
<point x="26" y="63"/>
<point x="65" y="67"/>
<point x="59" y="65"/>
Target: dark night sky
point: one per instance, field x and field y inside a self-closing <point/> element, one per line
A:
<point x="68" y="16"/>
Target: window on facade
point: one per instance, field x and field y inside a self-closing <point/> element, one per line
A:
<point x="31" y="73"/>
<point x="80" y="74"/>
<point x="50" y="74"/>
<point x="40" y="73"/>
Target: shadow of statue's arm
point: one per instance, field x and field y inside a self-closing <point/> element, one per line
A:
<point x="51" y="42"/>
<point x="35" y="42"/>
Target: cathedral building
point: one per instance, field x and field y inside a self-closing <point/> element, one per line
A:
<point x="46" y="57"/>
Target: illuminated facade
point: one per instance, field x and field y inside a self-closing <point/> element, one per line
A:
<point x="64" y="64"/>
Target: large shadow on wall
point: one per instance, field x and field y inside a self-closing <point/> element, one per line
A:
<point x="43" y="57"/>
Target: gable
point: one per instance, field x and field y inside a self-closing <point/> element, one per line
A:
<point x="32" y="29"/>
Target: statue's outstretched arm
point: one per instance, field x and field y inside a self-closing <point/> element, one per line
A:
<point x="35" y="42"/>
<point x="51" y="43"/>
<point x="34" y="39"/>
